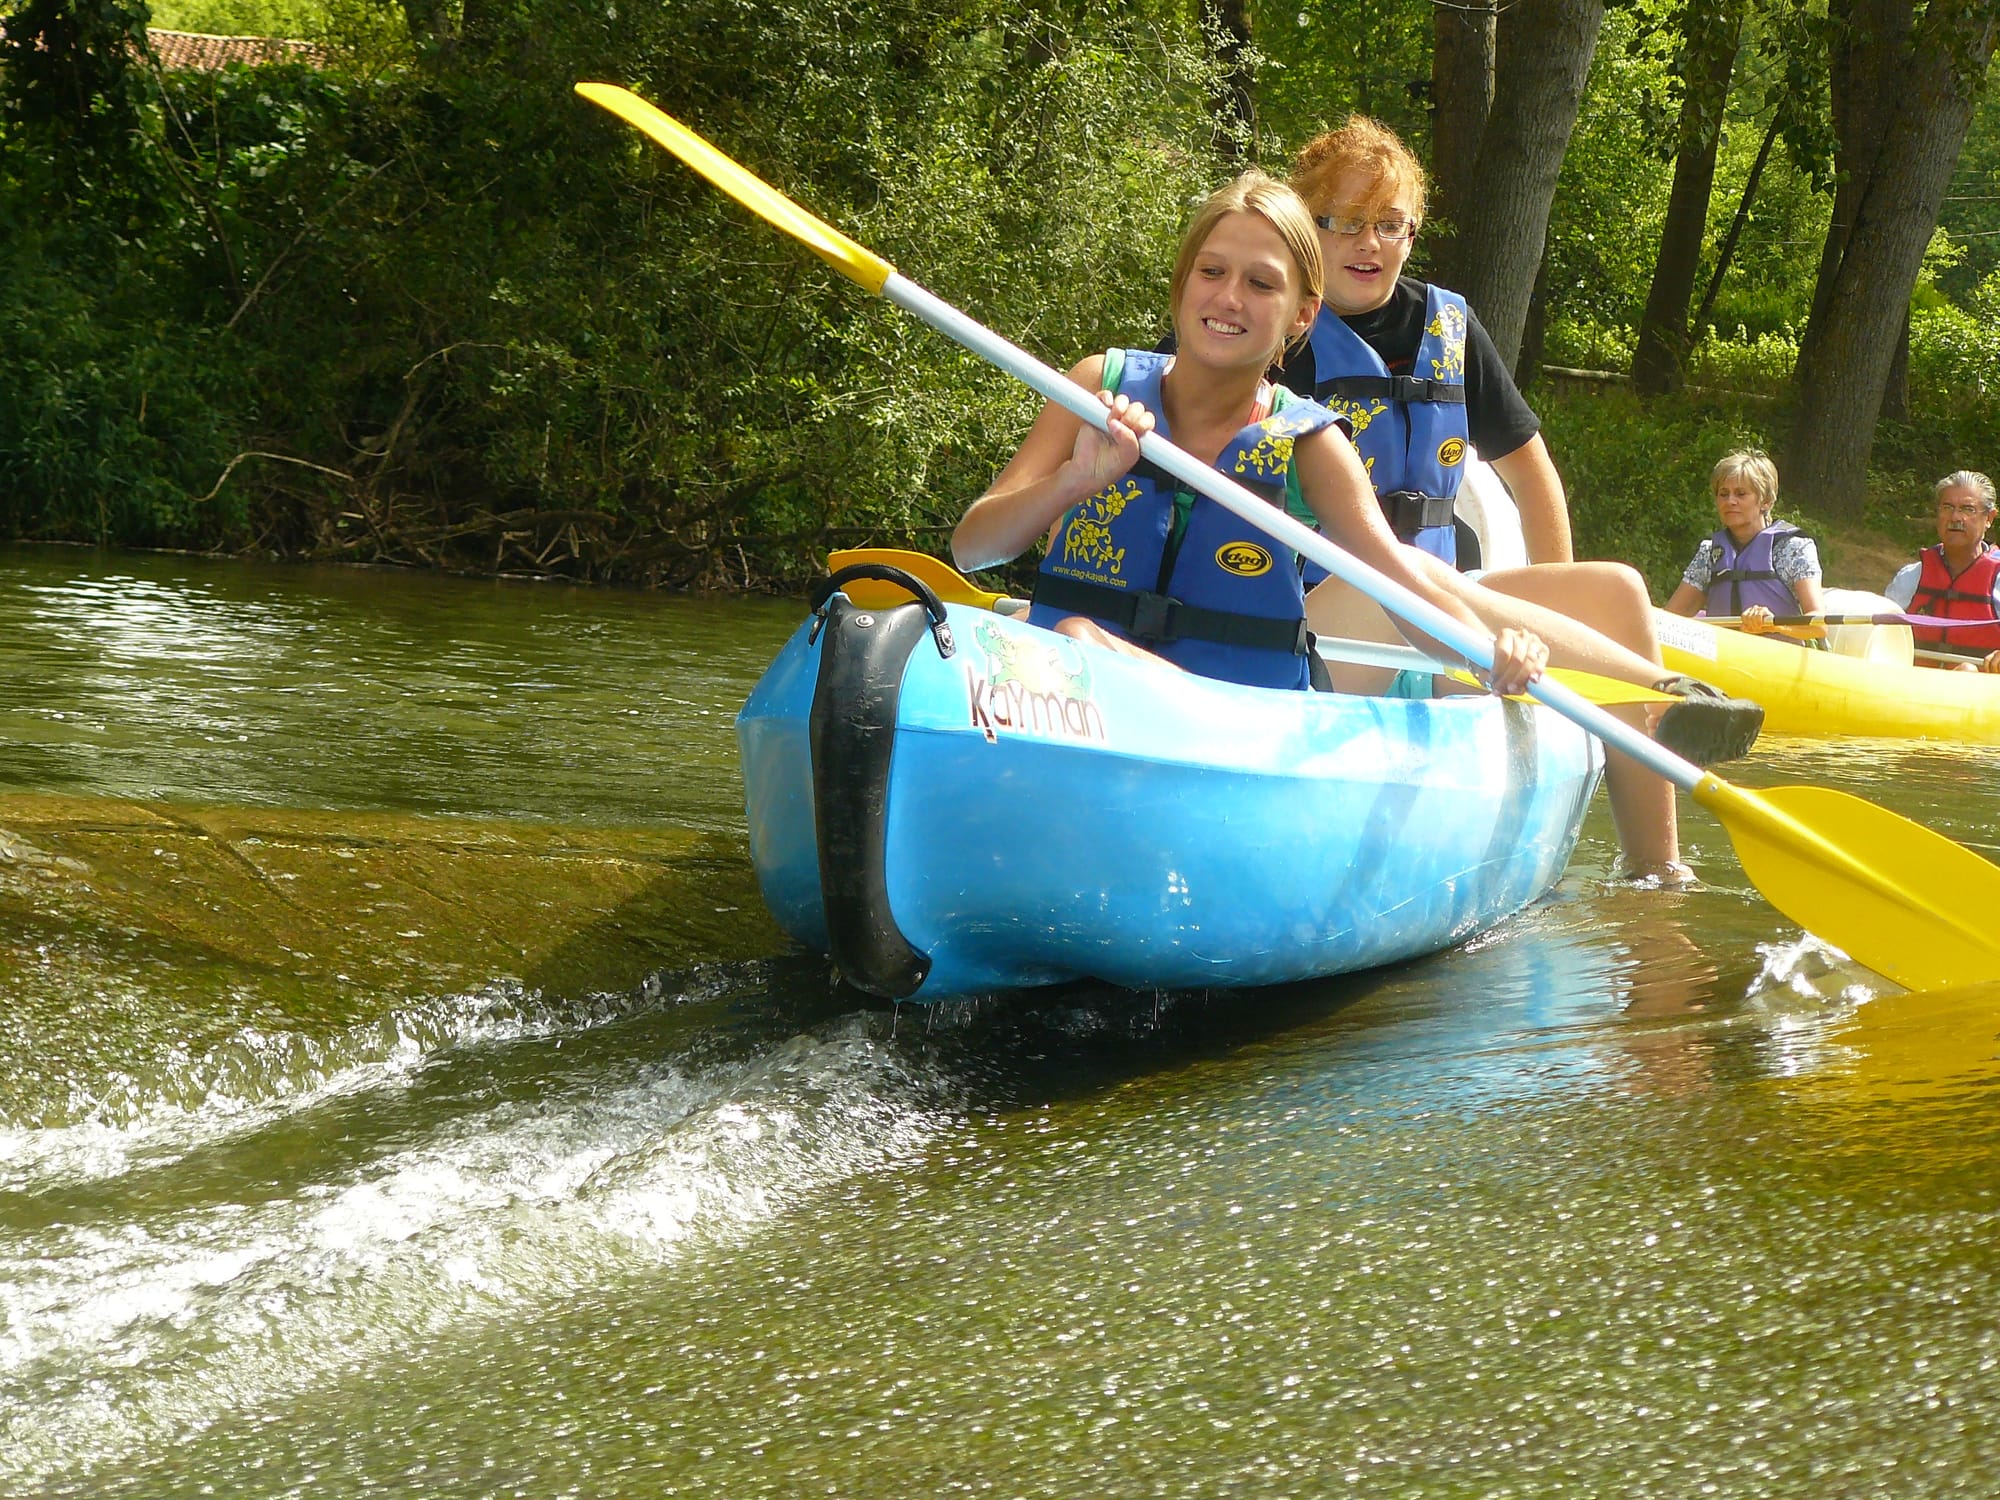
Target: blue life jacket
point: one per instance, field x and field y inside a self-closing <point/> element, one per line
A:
<point x="1410" y="429"/>
<point x="1745" y="577"/>
<point x="1212" y="594"/>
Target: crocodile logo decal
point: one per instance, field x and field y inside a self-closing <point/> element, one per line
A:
<point x="1029" y="685"/>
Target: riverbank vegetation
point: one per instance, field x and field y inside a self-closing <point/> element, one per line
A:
<point x="413" y="302"/>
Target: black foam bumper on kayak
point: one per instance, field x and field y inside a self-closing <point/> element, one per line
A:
<point x="853" y="735"/>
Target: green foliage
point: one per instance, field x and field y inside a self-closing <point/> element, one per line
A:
<point x="109" y="417"/>
<point x="70" y="101"/>
<point x="1584" y="345"/>
<point x="1971" y="213"/>
<point x="1033" y="174"/>
<point x="68" y="70"/>
<point x="1954" y="422"/>
<point x="1610" y="204"/>
<point x="1769" y="285"/>
<point x="1759" y="363"/>
<point x="1793" y="45"/>
<point x="1327" y="61"/>
<point x="450" y="313"/>
<point x="1637" y="474"/>
<point x="425" y="305"/>
<point x="283" y="18"/>
<point x="1076" y="265"/>
<point x="1611" y="201"/>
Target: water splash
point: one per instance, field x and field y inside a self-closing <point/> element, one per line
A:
<point x="188" y="1098"/>
<point x="121" y="1335"/>
<point x="1808" y="990"/>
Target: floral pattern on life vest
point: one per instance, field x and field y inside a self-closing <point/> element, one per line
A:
<point x="1270" y="457"/>
<point x="1295" y="421"/>
<point x="1449" y="326"/>
<point x="1359" y="413"/>
<point x="1087" y="533"/>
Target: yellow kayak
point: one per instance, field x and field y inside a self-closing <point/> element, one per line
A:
<point x="1867" y="684"/>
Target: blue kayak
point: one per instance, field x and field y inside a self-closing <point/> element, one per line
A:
<point x="948" y="801"/>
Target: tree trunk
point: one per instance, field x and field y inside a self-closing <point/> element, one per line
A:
<point x="1896" y="390"/>
<point x="1541" y="61"/>
<point x="1462" y="38"/>
<point x="1727" y="250"/>
<point x="1869" y="38"/>
<point x="1535" y="331"/>
<point x="1712" y="30"/>
<point x="1876" y="248"/>
<point x="1237" y="108"/>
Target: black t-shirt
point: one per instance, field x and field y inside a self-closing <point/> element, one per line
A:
<point x="1498" y="418"/>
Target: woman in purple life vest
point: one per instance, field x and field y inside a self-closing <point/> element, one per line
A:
<point x="1753" y="567"/>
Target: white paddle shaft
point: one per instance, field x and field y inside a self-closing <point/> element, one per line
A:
<point x="1392" y="596"/>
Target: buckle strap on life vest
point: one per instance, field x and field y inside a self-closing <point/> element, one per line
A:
<point x="1405" y="388"/>
<point x="1411" y="511"/>
<point x="1159" y="618"/>
<point x="1947" y="596"/>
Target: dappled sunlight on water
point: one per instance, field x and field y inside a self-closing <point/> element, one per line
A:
<point x="237" y="683"/>
<point x="1642" y="1193"/>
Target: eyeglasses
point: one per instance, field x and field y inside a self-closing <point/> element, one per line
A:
<point x="1396" y="228"/>
<point x="1970" y="512"/>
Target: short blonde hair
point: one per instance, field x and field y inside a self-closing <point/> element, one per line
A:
<point x="1366" y="145"/>
<point x="1277" y="205"/>
<point x="1753" y="465"/>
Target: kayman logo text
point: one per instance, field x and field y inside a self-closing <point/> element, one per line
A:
<point x="1010" y="705"/>
<point x="1244" y="559"/>
<point x="1451" y="452"/>
<point x="1029" y="688"/>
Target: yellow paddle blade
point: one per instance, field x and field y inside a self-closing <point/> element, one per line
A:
<point x="855" y="262"/>
<point x="946" y="581"/>
<point x="1904" y="901"/>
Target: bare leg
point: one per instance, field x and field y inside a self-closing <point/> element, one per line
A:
<point x="1338" y="610"/>
<point x="1594" y="616"/>
<point x="1081" y="628"/>
<point x="1610" y="600"/>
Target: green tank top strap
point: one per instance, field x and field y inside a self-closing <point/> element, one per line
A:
<point x="1295" y="501"/>
<point x="1114" y="369"/>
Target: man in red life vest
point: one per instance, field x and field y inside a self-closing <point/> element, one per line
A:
<point x="1959" y="578"/>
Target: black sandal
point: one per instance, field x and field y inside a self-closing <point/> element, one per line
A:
<point x="1707" y="725"/>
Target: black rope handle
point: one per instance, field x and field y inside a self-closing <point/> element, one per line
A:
<point x="920" y="591"/>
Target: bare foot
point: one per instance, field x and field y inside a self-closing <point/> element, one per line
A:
<point x="1670" y="875"/>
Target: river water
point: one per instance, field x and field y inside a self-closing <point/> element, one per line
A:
<point x="404" y="1092"/>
